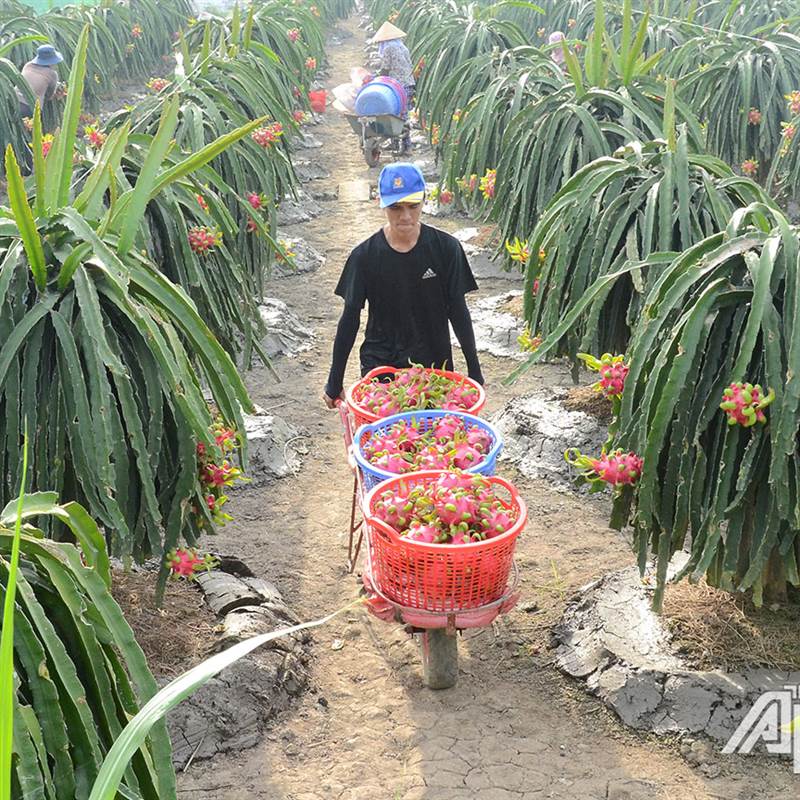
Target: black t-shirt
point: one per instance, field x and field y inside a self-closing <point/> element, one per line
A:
<point x="409" y="297"/>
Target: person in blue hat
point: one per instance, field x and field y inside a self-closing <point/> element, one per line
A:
<point x="42" y="77"/>
<point x="413" y="278"/>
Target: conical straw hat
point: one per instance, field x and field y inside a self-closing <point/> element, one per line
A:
<point x="387" y="32"/>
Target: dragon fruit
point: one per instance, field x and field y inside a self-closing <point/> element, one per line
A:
<point x="749" y="167"/>
<point x="204" y="239"/>
<point x="47" y="143"/>
<point x="487" y="184"/>
<point x="183" y="563"/>
<point x="744" y="404"/>
<point x="613" y="371"/>
<point x="392" y="462"/>
<point x="497" y="521"/>
<point x="416" y="388"/>
<point x="422" y="532"/>
<point x="518" y="250"/>
<point x="267" y="135"/>
<point x="465" y="456"/>
<point x="157" y="84"/>
<point x="616" y="469"/>
<point x="405" y="446"/>
<point x="257" y="201"/>
<point x="794" y="102"/>
<point x="186" y="563"/>
<point x="447" y="427"/>
<point x="479" y="439"/>
<point x="455" y="508"/>
<point x="754" y="116"/>
<point x="94" y="136"/>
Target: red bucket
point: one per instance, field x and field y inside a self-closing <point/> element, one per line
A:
<point x="363" y="415"/>
<point x="441" y="577"/>
<point x="318" y="100"/>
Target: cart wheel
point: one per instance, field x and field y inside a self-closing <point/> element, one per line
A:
<point x="372" y="152"/>
<point x="439" y="658"/>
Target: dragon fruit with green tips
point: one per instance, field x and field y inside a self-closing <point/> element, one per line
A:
<point x="414" y="389"/>
<point x="406" y="446"/>
<point x="616" y="469"/>
<point x="744" y="404"/>
<point x="456" y="508"/>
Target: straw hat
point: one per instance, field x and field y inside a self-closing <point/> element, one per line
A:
<point x="387" y="32"/>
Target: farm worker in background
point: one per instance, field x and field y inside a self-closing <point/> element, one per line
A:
<point x="414" y="278"/>
<point x="557" y="54"/>
<point x="41" y="75"/>
<point x="396" y="63"/>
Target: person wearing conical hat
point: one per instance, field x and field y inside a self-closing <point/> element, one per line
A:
<point x="396" y="63"/>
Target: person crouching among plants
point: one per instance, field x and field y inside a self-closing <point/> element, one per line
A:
<point x="41" y="75"/>
<point x="396" y="63"/>
<point x="413" y="278"/>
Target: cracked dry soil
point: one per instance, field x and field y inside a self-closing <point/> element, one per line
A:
<point x="514" y="728"/>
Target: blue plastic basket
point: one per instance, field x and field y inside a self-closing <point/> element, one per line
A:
<point x="372" y="476"/>
<point x="377" y="99"/>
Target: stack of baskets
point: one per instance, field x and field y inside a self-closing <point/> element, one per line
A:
<point x="433" y="577"/>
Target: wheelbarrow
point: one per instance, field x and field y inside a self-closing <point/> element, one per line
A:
<point x="378" y="133"/>
<point x="437" y="629"/>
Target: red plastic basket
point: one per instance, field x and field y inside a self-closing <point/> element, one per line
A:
<point x="441" y="577"/>
<point x="363" y="416"/>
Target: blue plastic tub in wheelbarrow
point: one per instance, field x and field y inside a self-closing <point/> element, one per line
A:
<point x="372" y="475"/>
<point x="377" y="99"/>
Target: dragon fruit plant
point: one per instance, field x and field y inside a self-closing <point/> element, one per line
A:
<point x="744" y="404"/>
<point x="448" y="444"/>
<point x="616" y="469"/>
<point x="456" y="508"/>
<point x="414" y="389"/>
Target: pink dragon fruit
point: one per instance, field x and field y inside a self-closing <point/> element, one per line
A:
<point x="421" y="532"/>
<point x="618" y="468"/>
<point x="744" y="403"/>
<point x="497" y="521"/>
<point x="455" y="508"/>
<point x="465" y="456"/>
<point x="391" y="462"/>
<point x="447" y="427"/>
<point x="452" y="507"/>
<point x="479" y="439"/>
<point x="613" y="371"/>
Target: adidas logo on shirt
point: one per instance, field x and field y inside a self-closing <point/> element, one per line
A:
<point x="429" y="273"/>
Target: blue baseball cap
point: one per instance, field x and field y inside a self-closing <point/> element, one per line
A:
<point x="47" y="55"/>
<point x="401" y="183"/>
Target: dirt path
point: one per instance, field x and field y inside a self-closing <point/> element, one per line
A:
<point x="514" y="728"/>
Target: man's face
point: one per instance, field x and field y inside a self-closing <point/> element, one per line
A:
<point x="404" y="217"/>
